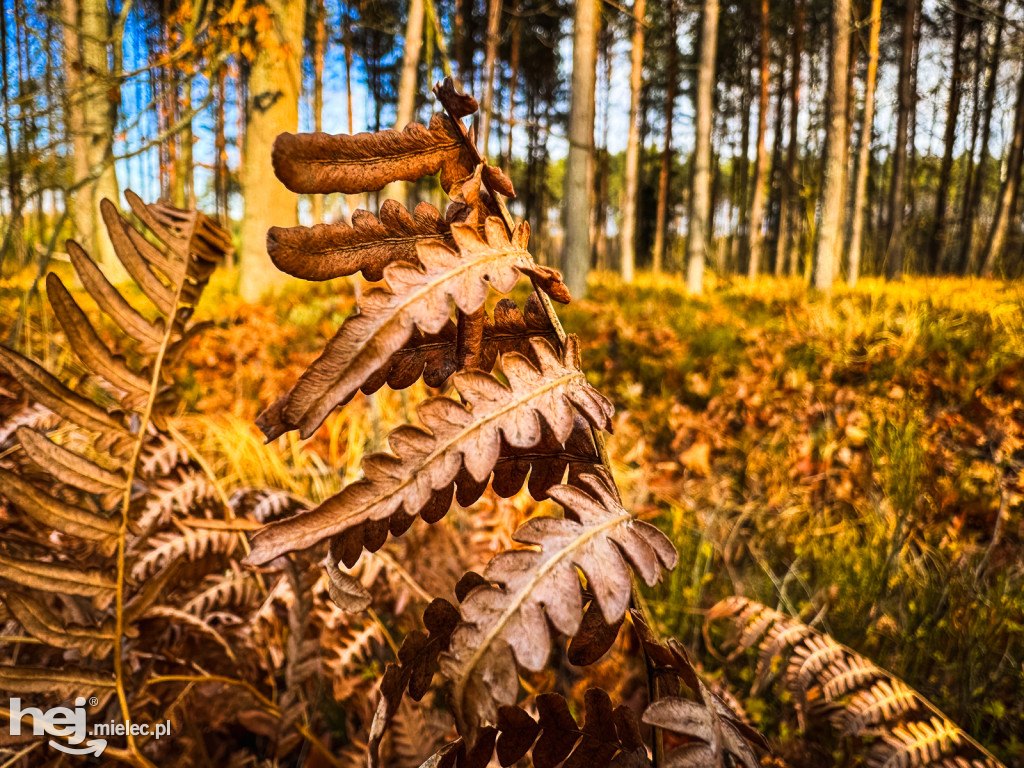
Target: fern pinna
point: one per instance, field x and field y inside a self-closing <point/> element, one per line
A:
<point x="522" y="408"/>
<point x="120" y="572"/>
<point x="835" y="687"/>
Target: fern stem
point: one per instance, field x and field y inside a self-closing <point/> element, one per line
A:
<point x="270" y="706"/>
<point x="132" y="468"/>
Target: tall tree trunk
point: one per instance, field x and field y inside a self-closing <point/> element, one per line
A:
<point x="606" y="39"/>
<point x="220" y="149"/>
<point x="700" y="203"/>
<point x="513" y="79"/>
<point x="787" y="212"/>
<point x="774" y="215"/>
<point x="794" y="215"/>
<point x="672" y="75"/>
<point x="830" y="235"/>
<point x="761" y="163"/>
<point x="407" y="89"/>
<point x="490" y="57"/>
<point x="272" y="107"/>
<point x="185" y="172"/>
<point x="14" y="239"/>
<point x="897" y="189"/>
<point x="937" y="246"/>
<point x="977" y="25"/>
<point x="967" y="260"/>
<point x="579" y="165"/>
<point x="739" y="242"/>
<point x="92" y="122"/>
<point x="910" y="225"/>
<point x="1007" y="201"/>
<point x="319" y="51"/>
<point x="631" y="186"/>
<point x="410" y="64"/>
<point x="459" y="47"/>
<point x="864" y="151"/>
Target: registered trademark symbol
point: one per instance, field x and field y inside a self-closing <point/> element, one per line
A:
<point x="93" y="701"/>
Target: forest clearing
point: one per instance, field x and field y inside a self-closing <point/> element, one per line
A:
<point x="576" y="424"/>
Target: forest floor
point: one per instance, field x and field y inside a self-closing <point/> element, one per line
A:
<point x="853" y="459"/>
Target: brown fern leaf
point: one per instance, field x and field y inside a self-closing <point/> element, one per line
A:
<point x="885" y="701"/>
<point x="783" y="635"/>
<point x="418" y="660"/>
<point x="57" y="514"/>
<point x="44" y="625"/>
<point x="555" y="736"/>
<point x="834" y="684"/>
<point x="161" y="455"/>
<point x="264" y="504"/>
<point x="327" y="251"/>
<point x="321" y="163"/>
<point x="234" y="594"/>
<point x="60" y="578"/>
<point x="434" y="356"/>
<point x="462" y="435"/>
<point x="67" y="466"/>
<point x="416" y="299"/>
<point x="508" y="623"/>
<point x="917" y="743"/>
<point x="609" y="737"/>
<point x="190" y="546"/>
<point x="848" y="674"/>
<point x="47" y="389"/>
<point x="415" y="733"/>
<point x="810" y="657"/>
<point x="698" y="721"/>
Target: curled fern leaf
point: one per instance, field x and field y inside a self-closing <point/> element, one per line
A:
<point x="505" y="621"/>
<point x="416" y="298"/>
<point x="462" y="435"/>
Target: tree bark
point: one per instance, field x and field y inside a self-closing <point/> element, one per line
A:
<point x="272" y="107"/>
<point x="897" y="189"/>
<point x="220" y="150"/>
<point x="739" y="242"/>
<point x="410" y="65"/>
<point x="788" y="189"/>
<point x="774" y="215"/>
<point x="631" y="185"/>
<point x="606" y="38"/>
<point x="92" y="122"/>
<point x="700" y="202"/>
<point x="513" y="79"/>
<point x="760" y="164"/>
<point x="864" y="151"/>
<point x="579" y="164"/>
<point x="490" y="57"/>
<point x="14" y="240"/>
<point x="664" y="175"/>
<point x="830" y="235"/>
<point x="977" y="25"/>
<point x="937" y="245"/>
<point x="967" y="260"/>
<point x="794" y="210"/>
<point x="1007" y="201"/>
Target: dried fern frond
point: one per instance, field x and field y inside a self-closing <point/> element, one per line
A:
<point x="319" y="163"/>
<point x="508" y="624"/>
<point x="463" y="436"/>
<point x="608" y="736"/>
<point x="327" y="251"/>
<point x="415" y="299"/>
<point x="832" y="684"/>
